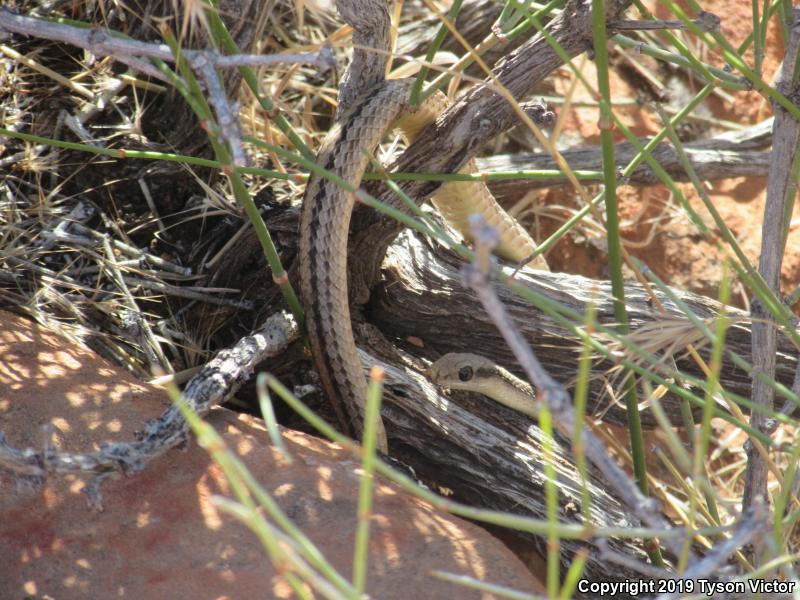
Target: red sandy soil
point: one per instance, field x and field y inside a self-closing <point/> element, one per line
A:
<point x="654" y="228"/>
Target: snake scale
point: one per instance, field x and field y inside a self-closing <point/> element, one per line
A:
<point x="325" y="224"/>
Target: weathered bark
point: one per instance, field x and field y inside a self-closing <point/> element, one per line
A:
<point x="488" y="454"/>
<point x="474" y="23"/>
<point x="420" y="297"/>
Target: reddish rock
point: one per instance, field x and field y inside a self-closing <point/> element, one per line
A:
<point x="159" y="535"/>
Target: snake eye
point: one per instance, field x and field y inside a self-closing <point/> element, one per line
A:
<point x="465" y="373"/>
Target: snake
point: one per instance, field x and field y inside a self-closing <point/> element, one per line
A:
<point x="327" y="208"/>
<point x="475" y="373"/>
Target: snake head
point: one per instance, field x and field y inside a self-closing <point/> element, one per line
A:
<point x="461" y="371"/>
<point x="473" y="373"/>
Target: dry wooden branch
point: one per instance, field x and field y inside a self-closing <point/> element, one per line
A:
<point x="491" y="457"/>
<point x="734" y="154"/>
<point x="423" y="300"/>
<point x="475" y="446"/>
<point x="478" y="116"/>
<point x="786" y="134"/>
<point x="135" y="53"/>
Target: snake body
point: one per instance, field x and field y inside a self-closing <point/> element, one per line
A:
<point x="458" y="200"/>
<point x="324" y="228"/>
<point x="326" y="215"/>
